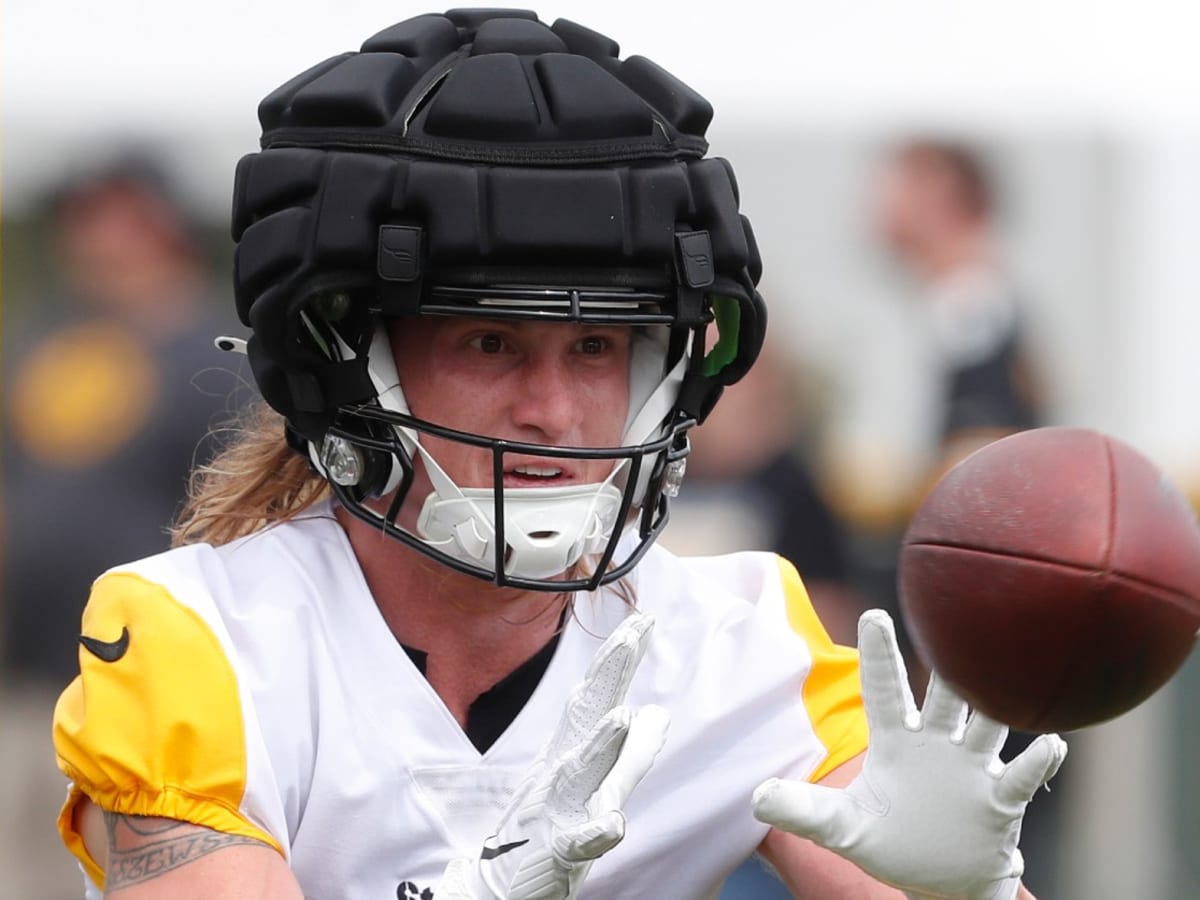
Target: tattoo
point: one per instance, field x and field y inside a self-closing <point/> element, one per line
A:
<point x="144" y="847"/>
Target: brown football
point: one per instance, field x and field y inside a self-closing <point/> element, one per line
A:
<point x="1053" y="578"/>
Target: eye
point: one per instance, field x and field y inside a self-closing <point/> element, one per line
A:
<point x="488" y="343"/>
<point x="592" y="345"/>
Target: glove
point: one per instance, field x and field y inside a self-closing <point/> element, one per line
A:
<point x="934" y="811"/>
<point x="567" y="811"/>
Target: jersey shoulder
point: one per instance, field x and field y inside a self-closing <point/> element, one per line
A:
<point x="752" y="582"/>
<point x="758" y="601"/>
<point x="159" y="722"/>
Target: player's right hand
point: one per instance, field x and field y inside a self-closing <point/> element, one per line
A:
<point x="568" y="810"/>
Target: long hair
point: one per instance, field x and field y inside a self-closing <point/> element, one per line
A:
<point x="256" y="480"/>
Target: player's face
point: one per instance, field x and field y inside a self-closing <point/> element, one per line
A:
<point x="559" y="384"/>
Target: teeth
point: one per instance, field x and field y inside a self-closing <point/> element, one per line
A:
<point x="538" y="471"/>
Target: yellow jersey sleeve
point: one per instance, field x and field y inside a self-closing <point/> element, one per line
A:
<point x="832" y="692"/>
<point x="153" y="724"/>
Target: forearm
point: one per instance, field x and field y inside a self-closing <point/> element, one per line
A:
<point x="814" y="873"/>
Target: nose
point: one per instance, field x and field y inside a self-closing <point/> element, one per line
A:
<point x="548" y="404"/>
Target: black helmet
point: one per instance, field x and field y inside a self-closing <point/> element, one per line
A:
<point x="483" y="163"/>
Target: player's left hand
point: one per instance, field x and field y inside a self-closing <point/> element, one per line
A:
<point x="567" y="811"/>
<point x="934" y="811"/>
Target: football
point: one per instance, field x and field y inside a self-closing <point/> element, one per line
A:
<point x="1053" y="579"/>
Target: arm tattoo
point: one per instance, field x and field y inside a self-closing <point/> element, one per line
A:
<point x="142" y="847"/>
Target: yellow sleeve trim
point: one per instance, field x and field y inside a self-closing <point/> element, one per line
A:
<point x="159" y="731"/>
<point x="832" y="691"/>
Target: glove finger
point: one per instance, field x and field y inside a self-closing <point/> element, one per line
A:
<point x="886" y="694"/>
<point x="579" y="774"/>
<point x="590" y="840"/>
<point x="1031" y="769"/>
<point x="984" y="735"/>
<point x="629" y="637"/>
<point x="826" y="816"/>
<point x="943" y="711"/>
<point x="646" y="736"/>
<point x="606" y="682"/>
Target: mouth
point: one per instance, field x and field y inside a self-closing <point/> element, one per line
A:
<point x="544" y="474"/>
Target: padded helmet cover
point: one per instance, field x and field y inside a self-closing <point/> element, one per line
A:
<point x="478" y="147"/>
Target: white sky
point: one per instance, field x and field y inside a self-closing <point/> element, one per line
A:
<point x="74" y="74"/>
<point x="86" y="62"/>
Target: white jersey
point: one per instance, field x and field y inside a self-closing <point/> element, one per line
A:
<point x="261" y="693"/>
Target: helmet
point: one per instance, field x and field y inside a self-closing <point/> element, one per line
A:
<point x="482" y="163"/>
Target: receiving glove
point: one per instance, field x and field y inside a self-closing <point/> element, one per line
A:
<point x="934" y="811"/>
<point x="567" y="811"/>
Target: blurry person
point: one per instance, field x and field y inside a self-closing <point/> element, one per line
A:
<point x="104" y="412"/>
<point x="102" y="419"/>
<point x="936" y="211"/>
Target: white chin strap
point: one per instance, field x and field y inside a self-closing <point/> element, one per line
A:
<point x="546" y="530"/>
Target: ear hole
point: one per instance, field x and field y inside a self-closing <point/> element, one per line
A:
<point x="320" y="334"/>
<point x="727" y="313"/>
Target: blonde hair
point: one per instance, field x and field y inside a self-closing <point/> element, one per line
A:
<point x="255" y="481"/>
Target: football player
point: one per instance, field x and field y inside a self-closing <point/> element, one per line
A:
<point x="415" y="638"/>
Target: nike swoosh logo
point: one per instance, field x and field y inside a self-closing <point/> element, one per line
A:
<point x="493" y="852"/>
<point x="109" y="651"/>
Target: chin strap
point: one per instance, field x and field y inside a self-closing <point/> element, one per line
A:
<point x="546" y="530"/>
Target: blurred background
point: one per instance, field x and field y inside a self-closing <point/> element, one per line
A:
<point x="973" y="217"/>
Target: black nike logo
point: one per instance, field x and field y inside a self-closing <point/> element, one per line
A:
<point x="109" y="651"/>
<point x="493" y="852"/>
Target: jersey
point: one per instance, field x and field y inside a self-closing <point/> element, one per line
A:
<point x="256" y="689"/>
<point x="987" y="382"/>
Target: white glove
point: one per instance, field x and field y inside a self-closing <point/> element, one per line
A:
<point x="567" y="811"/>
<point x="934" y="811"/>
